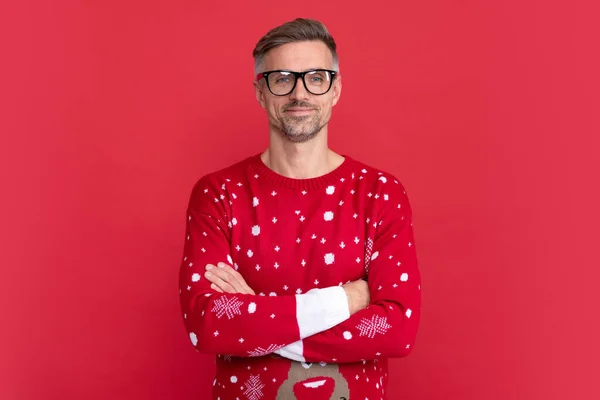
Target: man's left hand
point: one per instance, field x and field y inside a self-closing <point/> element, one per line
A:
<point x="225" y="279"/>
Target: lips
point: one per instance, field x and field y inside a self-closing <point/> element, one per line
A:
<point x="299" y="110"/>
<point x="315" y="388"/>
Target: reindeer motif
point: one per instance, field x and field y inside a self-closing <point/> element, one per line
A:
<point x="310" y="381"/>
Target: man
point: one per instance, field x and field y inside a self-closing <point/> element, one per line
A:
<point x="299" y="269"/>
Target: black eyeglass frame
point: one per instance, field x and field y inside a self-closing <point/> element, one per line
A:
<point x="297" y="75"/>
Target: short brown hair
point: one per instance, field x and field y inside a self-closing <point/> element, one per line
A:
<point x="298" y="30"/>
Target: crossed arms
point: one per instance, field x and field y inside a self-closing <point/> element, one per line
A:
<point x="358" y="321"/>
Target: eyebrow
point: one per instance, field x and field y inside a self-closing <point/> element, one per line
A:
<point x="306" y="69"/>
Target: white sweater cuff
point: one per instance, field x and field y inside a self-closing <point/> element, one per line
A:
<point x="320" y="309"/>
<point x="294" y="351"/>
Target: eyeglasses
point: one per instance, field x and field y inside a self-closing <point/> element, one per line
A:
<point x="282" y="82"/>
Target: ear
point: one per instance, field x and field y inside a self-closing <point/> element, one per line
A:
<point x="260" y="96"/>
<point x="337" y="89"/>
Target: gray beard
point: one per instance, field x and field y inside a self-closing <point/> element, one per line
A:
<point x="300" y="129"/>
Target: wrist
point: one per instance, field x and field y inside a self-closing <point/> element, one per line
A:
<point x="351" y="306"/>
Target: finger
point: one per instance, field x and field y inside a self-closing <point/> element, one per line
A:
<point x="219" y="282"/>
<point x="235" y="279"/>
<point x="225" y="273"/>
<point x="215" y="288"/>
<point x="217" y="274"/>
<point x="240" y="283"/>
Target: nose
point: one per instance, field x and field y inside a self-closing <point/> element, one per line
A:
<point x="299" y="92"/>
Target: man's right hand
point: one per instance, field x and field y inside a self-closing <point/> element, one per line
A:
<point x="358" y="295"/>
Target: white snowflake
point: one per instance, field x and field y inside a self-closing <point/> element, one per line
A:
<point x="329" y="258"/>
<point x="259" y="351"/>
<point x="328" y="216"/>
<point x="373" y="326"/>
<point x="229" y="306"/>
<point x="254" y="388"/>
<point x="193" y="338"/>
<point x="330" y="190"/>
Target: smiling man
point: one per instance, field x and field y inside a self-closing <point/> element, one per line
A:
<point x="299" y="269"/>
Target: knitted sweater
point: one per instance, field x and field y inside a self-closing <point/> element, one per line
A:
<point x="296" y="242"/>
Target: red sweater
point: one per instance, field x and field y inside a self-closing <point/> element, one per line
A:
<point x="295" y="242"/>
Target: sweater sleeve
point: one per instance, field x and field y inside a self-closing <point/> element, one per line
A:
<point x="238" y="324"/>
<point x="388" y="326"/>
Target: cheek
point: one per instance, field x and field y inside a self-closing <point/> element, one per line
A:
<point x="325" y="107"/>
<point x="274" y="107"/>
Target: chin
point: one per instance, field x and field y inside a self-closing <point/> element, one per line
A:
<point x="300" y="138"/>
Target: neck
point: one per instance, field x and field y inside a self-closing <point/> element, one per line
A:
<point x="301" y="160"/>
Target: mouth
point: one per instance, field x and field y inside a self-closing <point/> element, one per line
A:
<point x="314" y="384"/>
<point x="299" y="111"/>
<point x="316" y="388"/>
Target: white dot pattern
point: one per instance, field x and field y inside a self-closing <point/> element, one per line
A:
<point x="287" y="238"/>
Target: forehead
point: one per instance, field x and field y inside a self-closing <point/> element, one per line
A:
<point x="299" y="56"/>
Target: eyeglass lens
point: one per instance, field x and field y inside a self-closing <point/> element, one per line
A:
<point x="317" y="82"/>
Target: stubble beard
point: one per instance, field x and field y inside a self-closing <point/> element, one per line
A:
<point x="302" y="128"/>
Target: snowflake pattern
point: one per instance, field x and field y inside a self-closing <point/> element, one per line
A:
<point x="228" y="306"/>
<point x="315" y="215"/>
<point x="254" y="388"/>
<point x="375" y="325"/>
<point x="259" y="351"/>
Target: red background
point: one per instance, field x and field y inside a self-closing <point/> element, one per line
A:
<point x="487" y="111"/>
